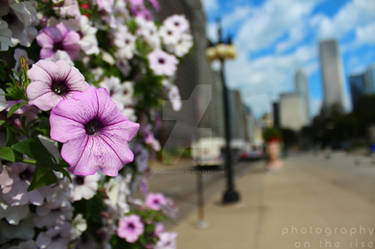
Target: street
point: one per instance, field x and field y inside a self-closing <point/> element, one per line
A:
<point x="180" y="184"/>
<point x="315" y="201"/>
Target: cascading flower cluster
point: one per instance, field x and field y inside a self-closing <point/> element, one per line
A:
<point x="81" y="87"/>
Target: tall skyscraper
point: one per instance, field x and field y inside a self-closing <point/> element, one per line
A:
<point x="357" y="87"/>
<point x="302" y="89"/>
<point x="292" y="111"/>
<point x="332" y="75"/>
<point x="370" y="79"/>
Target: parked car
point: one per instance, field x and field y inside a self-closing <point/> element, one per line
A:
<point x="207" y="151"/>
<point x="252" y="152"/>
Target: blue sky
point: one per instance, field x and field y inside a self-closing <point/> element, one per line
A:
<point x="275" y="37"/>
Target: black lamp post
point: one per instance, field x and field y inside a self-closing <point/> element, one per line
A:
<point x="221" y="51"/>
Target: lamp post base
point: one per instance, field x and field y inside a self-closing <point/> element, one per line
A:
<point x="231" y="196"/>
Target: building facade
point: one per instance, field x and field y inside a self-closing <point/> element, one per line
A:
<point x="369" y="79"/>
<point x="332" y="75"/>
<point x="292" y="111"/>
<point x="199" y="85"/>
<point x="302" y="89"/>
<point x="357" y="87"/>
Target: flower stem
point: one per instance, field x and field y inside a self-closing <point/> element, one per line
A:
<point x="29" y="161"/>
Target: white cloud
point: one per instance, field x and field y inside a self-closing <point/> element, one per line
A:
<point x="353" y="14"/>
<point x="271" y="20"/>
<point x="366" y="34"/>
<point x="269" y="75"/>
<point x="237" y="16"/>
<point x="296" y="34"/>
<point x="210" y="5"/>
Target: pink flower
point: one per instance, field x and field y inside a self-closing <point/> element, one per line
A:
<point x="94" y="132"/>
<point x="130" y="228"/>
<point x="52" y="82"/>
<point x="162" y="63"/>
<point x="60" y="38"/>
<point x="155" y="201"/>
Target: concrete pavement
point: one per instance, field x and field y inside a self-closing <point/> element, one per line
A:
<point x="311" y="203"/>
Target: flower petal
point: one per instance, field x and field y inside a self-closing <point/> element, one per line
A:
<point x="44" y="40"/>
<point x="38" y="73"/>
<point x="64" y="129"/>
<point x="36" y="89"/>
<point x="46" y="53"/>
<point x="46" y="101"/>
<point x="108" y="110"/>
<point x="92" y="153"/>
<point x="87" y="103"/>
<point x="76" y="80"/>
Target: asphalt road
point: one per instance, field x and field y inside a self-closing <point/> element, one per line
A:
<point x="180" y="184"/>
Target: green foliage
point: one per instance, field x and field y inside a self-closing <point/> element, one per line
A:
<point x="14" y="108"/>
<point x="7" y="153"/>
<point x="271" y="133"/>
<point x="43" y="176"/>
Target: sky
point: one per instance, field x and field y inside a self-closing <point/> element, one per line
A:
<point x="275" y="37"/>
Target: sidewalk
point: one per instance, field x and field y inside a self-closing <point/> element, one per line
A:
<point x="312" y="203"/>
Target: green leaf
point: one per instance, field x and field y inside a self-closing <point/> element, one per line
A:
<point x="34" y="148"/>
<point x="15" y="108"/>
<point x="11" y="135"/>
<point x="2" y="122"/>
<point x="7" y="153"/>
<point x="43" y="176"/>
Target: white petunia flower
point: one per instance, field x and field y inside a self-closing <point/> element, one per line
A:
<point x="25" y="245"/>
<point x="21" y="18"/>
<point x="61" y="55"/>
<point x="148" y="31"/>
<point x="5" y="36"/>
<point x="177" y="22"/>
<point x="117" y="191"/>
<point x="88" y="42"/>
<point x="84" y="187"/>
<point x="125" y="43"/>
<point x="13" y="214"/>
<point x="3" y="101"/>
<point x="167" y="241"/>
<point x="56" y="237"/>
<point x="169" y="35"/>
<point x="183" y="45"/>
<point x="57" y="209"/>
<point x="24" y="230"/>
<point x="79" y="225"/>
<point x="175" y="98"/>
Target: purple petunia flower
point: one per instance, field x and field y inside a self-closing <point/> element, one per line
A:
<point x="155" y="201"/>
<point x="52" y="82"/>
<point x="94" y="132"/>
<point x="60" y="38"/>
<point x="162" y="63"/>
<point x="130" y="228"/>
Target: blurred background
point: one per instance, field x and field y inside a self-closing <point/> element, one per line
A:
<point x="297" y="78"/>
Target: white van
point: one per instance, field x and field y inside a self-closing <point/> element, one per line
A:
<point x="207" y="151"/>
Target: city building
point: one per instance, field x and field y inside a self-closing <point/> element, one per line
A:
<point x="362" y="84"/>
<point x="276" y="114"/>
<point x="197" y="118"/>
<point x="236" y="115"/>
<point x="357" y="87"/>
<point x="332" y="75"/>
<point x="292" y="111"/>
<point x="369" y="79"/>
<point x="302" y="89"/>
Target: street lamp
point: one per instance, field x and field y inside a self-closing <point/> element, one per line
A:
<point x="222" y="51"/>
